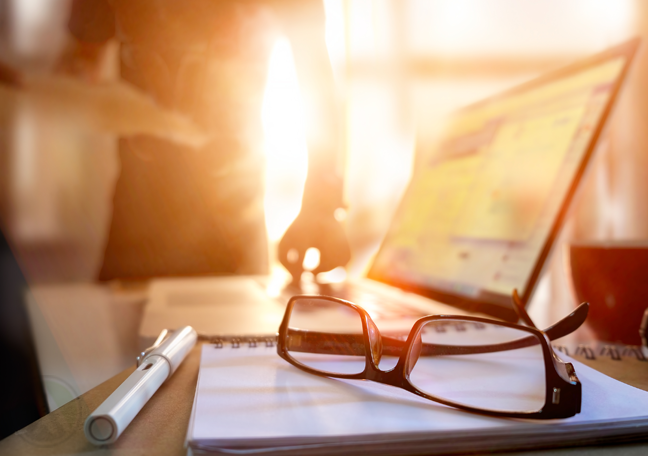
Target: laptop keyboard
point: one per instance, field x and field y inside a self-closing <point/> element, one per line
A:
<point x="380" y="306"/>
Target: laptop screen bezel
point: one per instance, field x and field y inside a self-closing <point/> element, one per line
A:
<point x="496" y="304"/>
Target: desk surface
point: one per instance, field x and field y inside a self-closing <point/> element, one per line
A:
<point x="161" y="426"/>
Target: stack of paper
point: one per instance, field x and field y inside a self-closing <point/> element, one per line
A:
<point x="250" y="400"/>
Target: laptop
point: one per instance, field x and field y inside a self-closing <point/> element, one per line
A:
<point x="478" y="219"/>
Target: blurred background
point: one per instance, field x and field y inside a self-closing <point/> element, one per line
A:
<point x="401" y="66"/>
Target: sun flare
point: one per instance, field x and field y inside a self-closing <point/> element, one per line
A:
<point x="285" y="142"/>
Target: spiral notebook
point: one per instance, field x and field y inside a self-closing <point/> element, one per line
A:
<point x="248" y="401"/>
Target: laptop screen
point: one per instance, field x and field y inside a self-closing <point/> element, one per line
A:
<point x="485" y="203"/>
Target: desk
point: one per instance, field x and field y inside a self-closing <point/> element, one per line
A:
<point x="161" y="426"/>
<point x="159" y="429"/>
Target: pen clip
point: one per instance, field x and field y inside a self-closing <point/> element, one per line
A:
<point x="161" y="338"/>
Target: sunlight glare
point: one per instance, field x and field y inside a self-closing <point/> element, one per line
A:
<point x="285" y="142"/>
<point x="311" y="259"/>
<point x="335" y="35"/>
<point x="337" y="275"/>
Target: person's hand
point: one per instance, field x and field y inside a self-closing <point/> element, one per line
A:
<point x="319" y="230"/>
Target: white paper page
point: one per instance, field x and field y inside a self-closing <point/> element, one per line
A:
<point x="192" y="418"/>
<point x="246" y="393"/>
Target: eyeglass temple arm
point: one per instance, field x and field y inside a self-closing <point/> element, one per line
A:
<point x="325" y="343"/>
<point x="521" y="312"/>
<point x="353" y="344"/>
<point x="560" y="329"/>
<point x="567" y="325"/>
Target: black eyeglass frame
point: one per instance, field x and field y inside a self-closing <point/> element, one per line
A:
<point x="562" y="395"/>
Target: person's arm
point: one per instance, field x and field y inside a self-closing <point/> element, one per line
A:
<point x="316" y="226"/>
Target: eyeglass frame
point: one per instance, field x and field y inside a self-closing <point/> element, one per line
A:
<point x="562" y="395"/>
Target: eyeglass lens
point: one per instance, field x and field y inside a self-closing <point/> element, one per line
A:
<point x="509" y="380"/>
<point x="330" y="327"/>
<point x="482" y="365"/>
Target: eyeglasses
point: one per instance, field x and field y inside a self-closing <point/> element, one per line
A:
<point x="474" y="364"/>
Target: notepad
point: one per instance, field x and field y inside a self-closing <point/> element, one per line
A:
<point x="248" y="400"/>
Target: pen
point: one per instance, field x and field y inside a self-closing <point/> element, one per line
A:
<point x="156" y="365"/>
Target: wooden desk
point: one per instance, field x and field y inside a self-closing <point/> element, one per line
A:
<point x="161" y="426"/>
<point x="159" y="429"/>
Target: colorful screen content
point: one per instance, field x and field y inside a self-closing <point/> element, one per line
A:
<point x="482" y="202"/>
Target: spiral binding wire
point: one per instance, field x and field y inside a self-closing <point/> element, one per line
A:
<point x="613" y="351"/>
<point x="240" y="341"/>
<point x="587" y="351"/>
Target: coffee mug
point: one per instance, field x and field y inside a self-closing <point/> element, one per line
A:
<point x="613" y="277"/>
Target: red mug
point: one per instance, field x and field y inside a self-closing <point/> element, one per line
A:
<point x="613" y="277"/>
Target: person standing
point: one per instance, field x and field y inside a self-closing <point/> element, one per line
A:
<point x="179" y="211"/>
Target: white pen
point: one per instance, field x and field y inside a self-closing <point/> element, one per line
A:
<point x="155" y="365"/>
